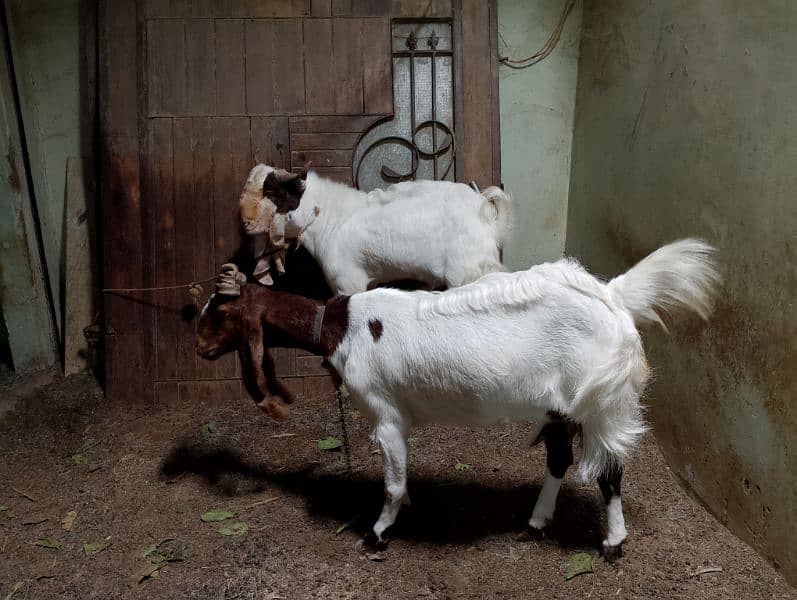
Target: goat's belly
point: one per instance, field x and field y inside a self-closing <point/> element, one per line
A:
<point x="447" y="408"/>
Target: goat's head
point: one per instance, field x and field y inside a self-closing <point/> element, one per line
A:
<point x="224" y="321"/>
<point x="269" y="192"/>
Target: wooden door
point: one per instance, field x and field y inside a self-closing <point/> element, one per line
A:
<point x="193" y="93"/>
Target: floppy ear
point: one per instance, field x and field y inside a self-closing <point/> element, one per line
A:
<point x="284" y="189"/>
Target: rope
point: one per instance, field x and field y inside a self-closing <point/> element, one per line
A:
<point x="345" y="433"/>
<point x="163" y="287"/>
<point x="549" y="45"/>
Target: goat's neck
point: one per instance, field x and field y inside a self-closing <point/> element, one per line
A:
<point x="294" y="318"/>
<point x="325" y="206"/>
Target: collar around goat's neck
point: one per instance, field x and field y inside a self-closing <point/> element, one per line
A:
<point x="318" y="323"/>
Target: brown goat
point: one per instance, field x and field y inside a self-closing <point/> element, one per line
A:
<point x="261" y="318"/>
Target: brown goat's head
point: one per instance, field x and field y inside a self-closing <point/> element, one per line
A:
<point x="221" y="328"/>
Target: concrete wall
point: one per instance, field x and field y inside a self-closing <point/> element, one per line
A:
<point x="537" y="106"/>
<point x="48" y="51"/>
<point x="685" y="125"/>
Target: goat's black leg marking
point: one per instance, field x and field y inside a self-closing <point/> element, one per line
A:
<point x="558" y="438"/>
<point x="609" y="483"/>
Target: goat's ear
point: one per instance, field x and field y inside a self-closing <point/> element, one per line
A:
<point x="284" y="189"/>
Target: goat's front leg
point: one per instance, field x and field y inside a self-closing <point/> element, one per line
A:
<point x="559" y="448"/>
<point x="393" y="441"/>
<point x="609" y="483"/>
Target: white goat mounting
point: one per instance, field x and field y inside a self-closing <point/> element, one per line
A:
<point x="437" y="232"/>
<point x="552" y="345"/>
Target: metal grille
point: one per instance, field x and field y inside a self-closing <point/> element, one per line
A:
<point x="417" y="142"/>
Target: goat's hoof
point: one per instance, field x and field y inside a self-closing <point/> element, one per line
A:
<point x="370" y="542"/>
<point x="530" y="534"/>
<point x="611" y="553"/>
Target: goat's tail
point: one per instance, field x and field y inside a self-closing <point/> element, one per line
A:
<point x="681" y="276"/>
<point x="678" y="277"/>
<point x="496" y="211"/>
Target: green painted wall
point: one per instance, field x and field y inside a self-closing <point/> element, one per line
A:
<point x="27" y="328"/>
<point x="537" y="107"/>
<point x="47" y="50"/>
<point x="685" y="125"/>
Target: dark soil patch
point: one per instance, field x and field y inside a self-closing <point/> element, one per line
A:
<point x="152" y="474"/>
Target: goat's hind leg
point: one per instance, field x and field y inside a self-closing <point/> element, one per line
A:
<point x="558" y="437"/>
<point x="609" y="483"/>
<point x="393" y="441"/>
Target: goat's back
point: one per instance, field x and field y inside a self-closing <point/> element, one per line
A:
<point x="484" y="363"/>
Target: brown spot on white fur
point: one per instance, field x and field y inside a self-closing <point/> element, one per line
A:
<point x="376" y="328"/>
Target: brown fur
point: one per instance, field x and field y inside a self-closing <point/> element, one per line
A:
<point x="260" y="318"/>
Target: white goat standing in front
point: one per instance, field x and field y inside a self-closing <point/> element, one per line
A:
<point x="515" y="347"/>
<point x="437" y="232"/>
<point x="552" y="345"/>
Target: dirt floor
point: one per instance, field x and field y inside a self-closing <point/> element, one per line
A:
<point x="138" y="475"/>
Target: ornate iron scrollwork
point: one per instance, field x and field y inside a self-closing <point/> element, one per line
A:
<point x="432" y="140"/>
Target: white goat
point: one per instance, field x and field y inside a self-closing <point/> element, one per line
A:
<point x="552" y="345"/>
<point x="435" y="232"/>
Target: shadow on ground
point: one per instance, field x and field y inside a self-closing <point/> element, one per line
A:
<point x="442" y="512"/>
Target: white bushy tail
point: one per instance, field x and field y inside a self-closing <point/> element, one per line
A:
<point x="677" y="277"/>
<point x="497" y="211"/>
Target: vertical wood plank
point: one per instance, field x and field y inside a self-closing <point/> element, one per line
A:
<point x="321" y="8"/>
<point x="288" y="56"/>
<point x="201" y="60"/>
<point x="165" y="260"/>
<point x="120" y="199"/>
<point x="279" y="9"/>
<point x="220" y="8"/>
<point x="230" y="72"/>
<point x="124" y="362"/>
<point x="199" y="394"/>
<point x="181" y="8"/>
<point x="202" y="8"/>
<point x="259" y="66"/>
<point x="157" y="8"/>
<point x="239" y="8"/>
<point x="348" y="66"/>
<point x="225" y="212"/>
<point x="271" y="141"/>
<point x="422" y="8"/>
<point x="370" y="8"/>
<point x="241" y="150"/>
<point x="377" y="66"/>
<point x="476" y="163"/>
<point x="204" y="256"/>
<point x="166" y="67"/>
<point x="184" y="244"/>
<point x="318" y="62"/>
<point x="166" y="393"/>
<point x="495" y="104"/>
<point x="341" y="8"/>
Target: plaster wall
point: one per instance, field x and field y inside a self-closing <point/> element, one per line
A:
<point x="685" y="126"/>
<point x="537" y="108"/>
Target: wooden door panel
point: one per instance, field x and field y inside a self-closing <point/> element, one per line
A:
<point x="193" y="93"/>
